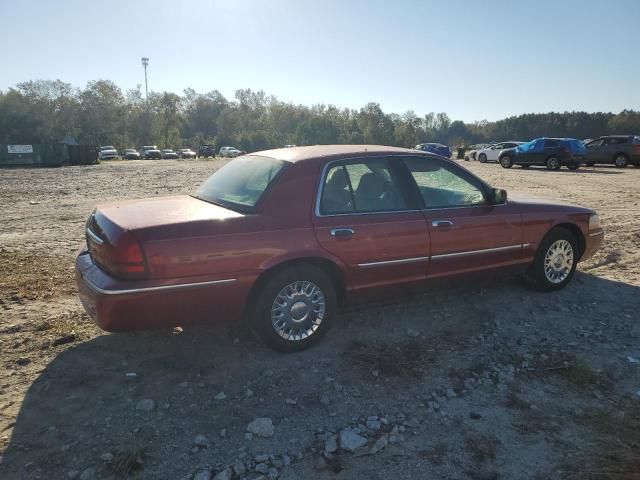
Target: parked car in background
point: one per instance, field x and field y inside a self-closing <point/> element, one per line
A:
<point x="130" y="154"/>
<point x="229" y="152"/>
<point x="550" y="152"/>
<point x="150" y="152"/>
<point x="206" y="151"/>
<point x="473" y="150"/>
<point x="169" y="154"/>
<point x="619" y="150"/>
<point x="186" y="153"/>
<point x="491" y="153"/>
<point x="280" y="237"/>
<point x="437" y="148"/>
<point x="107" y="153"/>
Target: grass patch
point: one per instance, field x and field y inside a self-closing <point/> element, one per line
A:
<point x="616" y="452"/>
<point x="482" y="447"/>
<point x="128" y="461"/>
<point x="401" y="360"/>
<point x="34" y="276"/>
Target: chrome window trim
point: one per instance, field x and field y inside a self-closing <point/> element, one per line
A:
<point x="393" y="262"/>
<point x="413" y="210"/>
<point x="483" y="250"/>
<point x="180" y="286"/>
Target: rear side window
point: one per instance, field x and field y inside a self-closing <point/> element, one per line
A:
<point x="360" y="187"/>
<point x="619" y="140"/>
<point x="551" y="143"/>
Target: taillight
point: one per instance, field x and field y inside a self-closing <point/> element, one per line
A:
<point x="125" y="259"/>
<point x="120" y="254"/>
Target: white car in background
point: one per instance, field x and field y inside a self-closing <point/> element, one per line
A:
<point x="229" y="152"/>
<point x="107" y="153"/>
<point x="491" y="154"/>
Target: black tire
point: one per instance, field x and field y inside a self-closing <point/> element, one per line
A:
<point x="573" y="166"/>
<point x="261" y="319"/>
<point x="537" y="276"/>
<point x="620" y="160"/>
<point x="553" y="163"/>
<point x="482" y="158"/>
<point x="506" y="162"/>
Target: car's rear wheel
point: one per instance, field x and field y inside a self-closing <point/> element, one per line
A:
<point x="553" y="163"/>
<point x="482" y="158"/>
<point x="506" y="162"/>
<point x="621" y="161"/>
<point x="295" y="308"/>
<point x="555" y="262"/>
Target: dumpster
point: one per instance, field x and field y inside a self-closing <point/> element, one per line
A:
<point x="38" y="155"/>
<point x="460" y="155"/>
<point x="82" y="154"/>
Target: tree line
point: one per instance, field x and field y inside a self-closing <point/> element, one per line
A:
<point x="48" y="111"/>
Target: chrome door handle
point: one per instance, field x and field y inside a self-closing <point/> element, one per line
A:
<point x="441" y="223"/>
<point x="342" y="232"/>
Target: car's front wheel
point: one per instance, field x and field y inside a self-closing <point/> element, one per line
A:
<point x="482" y="158"/>
<point x="555" y="262"/>
<point x="295" y="308"/>
<point x="553" y="163"/>
<point x="506" y="162"/>
<point x="621" y="161"/>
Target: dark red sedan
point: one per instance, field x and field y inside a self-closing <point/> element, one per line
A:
<point x="280" y="237"/>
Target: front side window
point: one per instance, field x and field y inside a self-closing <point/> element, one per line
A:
<point x="241" y="182"/>
<point x="360" y="187"/>
<point x="441" y="187"/>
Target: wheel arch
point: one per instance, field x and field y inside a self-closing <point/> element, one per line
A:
<point x="576" y="231"/>
<point x="331" y="268"/>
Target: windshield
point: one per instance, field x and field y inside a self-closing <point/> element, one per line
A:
<point x="240" y="182"/>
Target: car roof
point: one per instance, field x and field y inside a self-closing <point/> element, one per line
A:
<point x="298" y="154"/>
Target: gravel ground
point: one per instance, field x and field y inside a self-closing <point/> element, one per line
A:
<point x="481" y="379"/>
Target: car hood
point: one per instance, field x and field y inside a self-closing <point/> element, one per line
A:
<point x="527" y="201"/>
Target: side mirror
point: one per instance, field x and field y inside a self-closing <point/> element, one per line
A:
<point x="498" y="196"/>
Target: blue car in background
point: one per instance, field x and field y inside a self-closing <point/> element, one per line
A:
<point x="550" y="152"/>
<point x="437" y="148"/>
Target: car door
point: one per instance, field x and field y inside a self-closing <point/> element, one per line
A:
<point x="594" y="151"/>
<point x="467" y="231"/>
<point x="493" y="152"/>
<point x="551" y="148"/>
<point x="364" y="217"/>
<point x="531" y="153"/>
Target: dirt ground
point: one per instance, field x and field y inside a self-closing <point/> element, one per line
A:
<point x="481" y="380"/>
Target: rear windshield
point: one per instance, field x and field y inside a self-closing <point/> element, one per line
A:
<point x="241" y="182"/>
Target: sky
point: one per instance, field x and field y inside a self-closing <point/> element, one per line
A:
<point x="474" y="60"/>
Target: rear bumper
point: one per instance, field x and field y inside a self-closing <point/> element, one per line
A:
<point x="593" y="242"/>
<point x="116" y="305"/>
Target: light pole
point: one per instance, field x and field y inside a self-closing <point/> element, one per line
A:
<point x="145" y="62"/>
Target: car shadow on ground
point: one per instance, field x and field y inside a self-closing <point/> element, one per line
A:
<point x="87" y="400"/>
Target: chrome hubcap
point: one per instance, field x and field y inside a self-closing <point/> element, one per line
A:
<point x="553" y="163"/>
<point x="620" y="161"/>
<point x="505" y="161"/>
<point x="298" y="310"/>
<point x="558" y="261"/>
